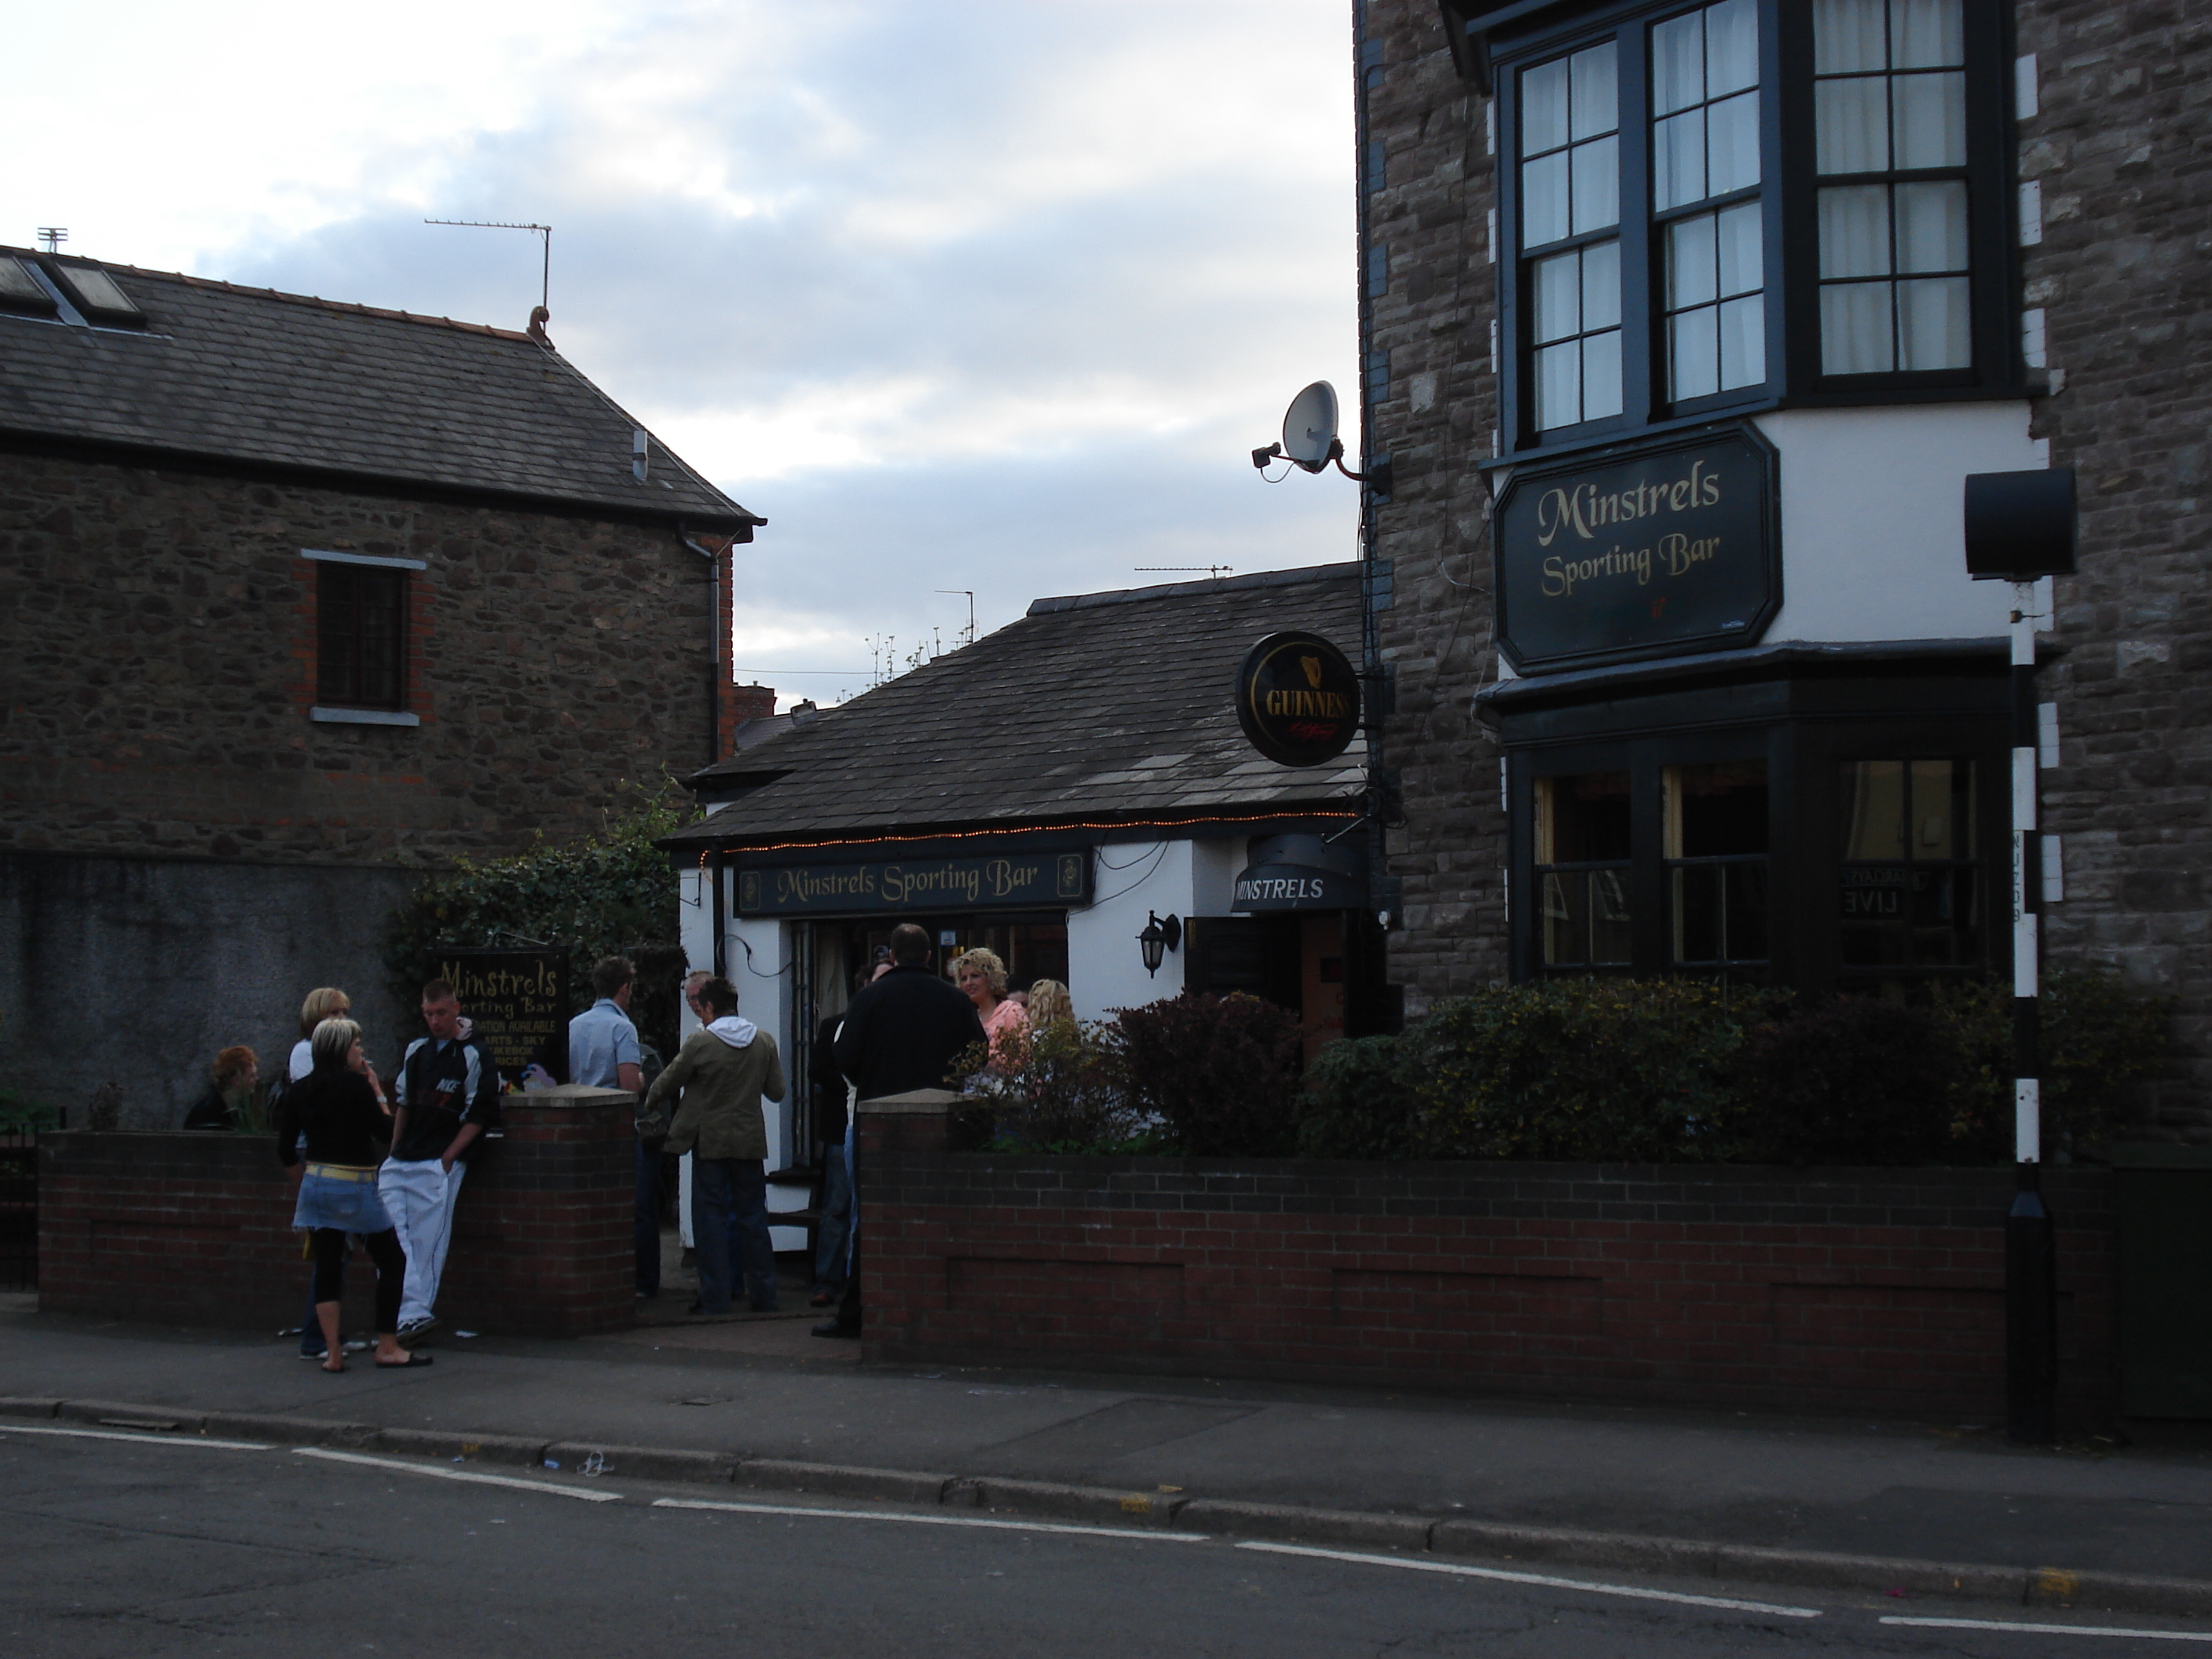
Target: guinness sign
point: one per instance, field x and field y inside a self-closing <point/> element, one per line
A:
<point x="1298" y="699"/>
<point x="1670" y="550"/>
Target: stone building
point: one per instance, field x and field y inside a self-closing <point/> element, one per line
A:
<point x="1682" y="325"/>
<point x="298" y="600"/>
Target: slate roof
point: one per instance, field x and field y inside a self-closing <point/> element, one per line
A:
<point x="261" y="379"/>
<point x="1103" y="707"/>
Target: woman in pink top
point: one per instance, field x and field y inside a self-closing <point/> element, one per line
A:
<point x="982" y="978"/>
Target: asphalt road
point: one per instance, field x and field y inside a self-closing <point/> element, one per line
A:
<point x="120" y="1545"/>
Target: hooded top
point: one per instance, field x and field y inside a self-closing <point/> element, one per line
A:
<point x="719" y="1074"/>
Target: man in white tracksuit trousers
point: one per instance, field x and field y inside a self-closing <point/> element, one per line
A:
<point x="446" y="1095"/>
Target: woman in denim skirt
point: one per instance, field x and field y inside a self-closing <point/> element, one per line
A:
<point x="336" y="1109"/>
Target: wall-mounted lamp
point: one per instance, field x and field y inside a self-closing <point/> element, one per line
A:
<point x="1159" y="937"/>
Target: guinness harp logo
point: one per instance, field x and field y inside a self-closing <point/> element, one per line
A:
<point x="1298" y="699"/>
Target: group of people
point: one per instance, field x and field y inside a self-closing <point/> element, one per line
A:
<point x="905" y="1028"/>
<point x="334" y="1115"/>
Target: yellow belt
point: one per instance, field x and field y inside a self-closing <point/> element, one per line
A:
<point x="340" y="1172"/>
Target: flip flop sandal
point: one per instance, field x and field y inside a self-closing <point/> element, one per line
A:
<point x="402" y="1364"/>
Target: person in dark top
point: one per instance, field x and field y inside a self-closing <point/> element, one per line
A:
<point x="835" y="1211"/>
<point x="900" y="1034"/>
<point x="334" y="1113"/>
<point x="448" y="1096"/>
<point x="228" y="1102"/>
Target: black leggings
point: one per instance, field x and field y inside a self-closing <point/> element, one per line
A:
<point x="391" y="1270"/>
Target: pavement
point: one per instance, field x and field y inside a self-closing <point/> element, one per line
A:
<point x="1884" y="1505"/>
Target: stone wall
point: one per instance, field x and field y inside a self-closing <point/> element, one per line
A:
<point x="1843" y="1289"/>
<point x="159" y="628"/>
<point x="2126" y="196"/>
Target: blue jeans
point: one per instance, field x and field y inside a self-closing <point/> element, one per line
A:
<point x="647" y="1222"/>
<point x="832" y="1233"/>
<point x="729" y="1214"/>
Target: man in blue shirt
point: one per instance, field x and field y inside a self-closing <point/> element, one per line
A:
<point x="603" y="1052"/>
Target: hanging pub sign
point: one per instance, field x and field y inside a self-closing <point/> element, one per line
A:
<point x="1020" y="881"/>
<point x="1302" y="873"/>
<point x="1671" y="550"/>
<point x="1298" y="699"/>
<point x="517" y="1002"/>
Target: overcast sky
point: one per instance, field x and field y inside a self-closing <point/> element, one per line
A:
<point x="955" y="295"/>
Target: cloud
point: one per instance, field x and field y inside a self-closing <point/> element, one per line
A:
<point x="996" y="293"/>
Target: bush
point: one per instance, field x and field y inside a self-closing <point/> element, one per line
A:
<point x="614" y="894"/>
<point x="1220" y="1073"/>
<point x="1853" y="1079"/>
<point x="1356" y="1104"/>
<point x="1062" y="1089"/>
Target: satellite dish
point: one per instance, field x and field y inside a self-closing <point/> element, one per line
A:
<point x="1310" y="427"/>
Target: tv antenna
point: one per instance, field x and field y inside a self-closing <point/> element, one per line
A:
<point x="967" y="638"/>
<point x="1310" y="441"/>
<point x="54" y="236"/>
<point x="544" y="232"/>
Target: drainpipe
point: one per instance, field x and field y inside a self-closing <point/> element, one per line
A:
<point x="714" y="628"/>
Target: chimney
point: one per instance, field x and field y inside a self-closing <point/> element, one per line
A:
<point x="754" y="703"/>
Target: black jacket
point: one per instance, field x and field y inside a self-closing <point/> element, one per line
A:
<point x="902" y="1033"/>
<point x="443" y="1085"/>
<point x="829" y="1084"/>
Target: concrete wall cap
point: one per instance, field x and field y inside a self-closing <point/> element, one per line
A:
<point x="572" y="1094"/>
<point x="915" y="1100"/>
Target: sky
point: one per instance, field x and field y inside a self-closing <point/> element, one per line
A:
<point x="992" y="297"/>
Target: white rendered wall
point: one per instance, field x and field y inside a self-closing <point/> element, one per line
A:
<point x="1133" y="879"/>
<point x="1872" y="542"/>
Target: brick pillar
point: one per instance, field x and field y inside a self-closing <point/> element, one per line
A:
<point x="901" y="1141"/>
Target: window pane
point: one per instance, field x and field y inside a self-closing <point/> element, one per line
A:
<point x="1732" y="144"/>
<point x="1931" y="120"/>
<point x="1851" y="126"/>
<point x="1854" y="231"/>
<point x="1559" y="308"/>
<point x="1612" y="941"/>
<point x="1601" y="375"/>
<point x="1596" y="102"/>
<point x="1691" y="276"/>
<point x="1855" y="337"/>
<point x="1926" y="34"/>
<point x="1558" y="381"/>
<point x="1931" y="227"/>
<point x="1697" y="895"/>
<point x="1602" y="285"/>
<point x="1717" y="810"/>
<point x="1731" y="46"/>
<point x="1678" y="69"/>
<point x="1932" y="325"/>
<point x="1597" y="183"/>
<point x="1544" y="200"/>
<point x="1566" y="921"/>
<point x="1744" y="900"/>
<point x="1694" y="352"/>
<point x="1678" y="161"/>
<point x="1544" y="108"/>
<point x="1741" y="257"/>
<point x="1871" y="796"/>
<point x="1848" y="36"/>
<point x="1933" y="809"/>
<point x="1743" y="341"/>
<point x="1581" y="818"/>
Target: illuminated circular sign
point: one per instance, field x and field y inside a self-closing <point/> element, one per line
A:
<point x="1298" y="699"/>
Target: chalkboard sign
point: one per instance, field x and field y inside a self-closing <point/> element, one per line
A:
<point x="519" y="1003"/>
<point x="1672" y="547"/>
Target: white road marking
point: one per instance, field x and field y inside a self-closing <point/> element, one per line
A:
<point x="931" y="1520"/>
<point x="1499" y="1573"/>
<point x="589" y="1495"/>
<point x="2051" y="1629"/>
<point x="144" y="1439"/>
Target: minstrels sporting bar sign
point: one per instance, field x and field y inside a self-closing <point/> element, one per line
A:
<point x="1672" y="549"/>
<point x="889" y="886"/>
<point x="1298" y="699"/>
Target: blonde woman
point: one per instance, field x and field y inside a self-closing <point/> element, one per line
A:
<point x="981" y="978"/>
<point x="1049" y="1002"/>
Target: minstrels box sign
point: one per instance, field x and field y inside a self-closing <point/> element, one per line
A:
<point x="517" y="1001"/>
<point x="1017" y="881"/>
<point x="1670" y="551"/>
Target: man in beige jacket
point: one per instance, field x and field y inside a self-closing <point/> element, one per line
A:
<point x="721" y="1074"/>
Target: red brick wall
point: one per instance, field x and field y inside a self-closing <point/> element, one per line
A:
<point x="1847" y="1290"/>
<point x="197" y="1229"/>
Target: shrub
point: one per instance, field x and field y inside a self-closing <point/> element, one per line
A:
<point x="614" y="894"/>
<point x="1579" y="1069"/>
<point x="1854" y="1079"/>
<point x="1357" y="1103"/>
<point x="1220" y="1073"/>
<point x="1061" y="1089"/>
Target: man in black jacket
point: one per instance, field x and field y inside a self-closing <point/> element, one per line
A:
<point x="446" y="1096"/>
<point x="902" y="1033"/>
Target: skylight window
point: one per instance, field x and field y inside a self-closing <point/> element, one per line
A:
<point x="19" y="290"/>
<point x="97" y="295"/>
